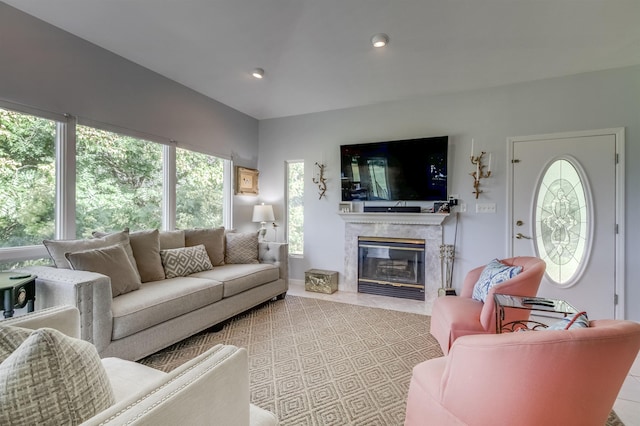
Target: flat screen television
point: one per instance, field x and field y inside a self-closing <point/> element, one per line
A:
<point x="403" y="170"/>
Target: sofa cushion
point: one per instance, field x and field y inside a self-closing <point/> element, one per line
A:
<point x="146" y="251"/>
<point x="160" y="301"/>
<point x="53" y="379"/>
<point x="241" y="248"/>
<point x="238" y="278"/>
<point x="58" y="248"/>
<point x="171" y="239"/>
<point x="111" y="261"/>
<point x="145" y="246"/>
<point x="211" y="238"/>
<point x="182" y="262"/>
<point x="493" y="274"/>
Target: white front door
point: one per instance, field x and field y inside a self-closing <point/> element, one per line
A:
<point x="565" y="209"/>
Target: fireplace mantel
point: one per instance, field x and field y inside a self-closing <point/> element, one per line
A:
<point x="395" y="218"/>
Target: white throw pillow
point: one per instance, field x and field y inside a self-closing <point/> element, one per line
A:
<point x="52" y="379"/>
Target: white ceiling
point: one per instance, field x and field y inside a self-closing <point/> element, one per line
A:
<point x="317" y="54"/>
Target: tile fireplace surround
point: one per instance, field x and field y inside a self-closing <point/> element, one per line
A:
<point x="427" y="226"/>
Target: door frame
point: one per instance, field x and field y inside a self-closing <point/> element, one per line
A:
<point x="619" y="133"/>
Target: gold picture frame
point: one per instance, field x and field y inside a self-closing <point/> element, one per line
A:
<point x="246" y="181"/>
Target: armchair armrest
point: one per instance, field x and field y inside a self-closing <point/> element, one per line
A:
<point x="88" y="291"/>
<point x="212" y="388"/>
<point x="277" y="254"/>
<point x="65" y="319"/>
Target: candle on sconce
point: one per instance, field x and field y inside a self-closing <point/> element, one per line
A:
<point x="478" y="169"/>
<point x="472" y="143"/>
<point x="489" y="168"/>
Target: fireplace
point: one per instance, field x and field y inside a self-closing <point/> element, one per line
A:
<point x="426" y="226"/>
<point x="391" y="267"/>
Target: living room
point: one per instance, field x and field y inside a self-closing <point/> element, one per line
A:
<point x="46" y="68"/>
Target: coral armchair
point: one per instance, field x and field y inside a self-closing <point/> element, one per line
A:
<point x="455" y="316"/>
<point x="526" y="378"/>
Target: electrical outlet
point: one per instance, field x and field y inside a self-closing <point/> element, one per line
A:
<point x="486" y="208"/>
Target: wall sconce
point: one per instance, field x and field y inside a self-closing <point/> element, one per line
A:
<point x="263" y="213"/>
<point x="321" y="181"/>
<point x="479" y="173"/>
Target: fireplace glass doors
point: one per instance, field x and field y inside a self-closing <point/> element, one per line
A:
<point x="391" y="267"/>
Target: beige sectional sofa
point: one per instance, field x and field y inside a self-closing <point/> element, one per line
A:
<point x="130" y="313"/>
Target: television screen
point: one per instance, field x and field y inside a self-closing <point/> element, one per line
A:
<point x="405" y="170"/>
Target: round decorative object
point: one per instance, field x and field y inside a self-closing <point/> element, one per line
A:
<point x="21" y="297"/>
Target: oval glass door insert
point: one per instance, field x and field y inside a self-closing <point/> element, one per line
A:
<point x="562" y="219"/>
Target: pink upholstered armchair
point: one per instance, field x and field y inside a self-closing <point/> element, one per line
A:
<point x="455" y="316"/>
<point x="527" y="378"/>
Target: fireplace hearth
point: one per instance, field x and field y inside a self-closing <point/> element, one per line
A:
<point x="391" y="267"/>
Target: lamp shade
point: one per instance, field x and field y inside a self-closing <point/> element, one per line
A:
<point x="263" y="213"/>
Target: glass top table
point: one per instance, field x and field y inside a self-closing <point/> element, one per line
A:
<point x="540" y="304"/>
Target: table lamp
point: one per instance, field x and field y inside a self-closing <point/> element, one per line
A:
<point x="263" y="213"/>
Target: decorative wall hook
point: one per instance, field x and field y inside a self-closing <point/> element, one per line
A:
<point x="479" y="173"/>
<point x="321" y="181"/>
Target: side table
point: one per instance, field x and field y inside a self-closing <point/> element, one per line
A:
<point x="18" y="290"/>
<point x="540" y="304"/>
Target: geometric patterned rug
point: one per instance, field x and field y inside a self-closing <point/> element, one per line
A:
<point x="321" y="363"/>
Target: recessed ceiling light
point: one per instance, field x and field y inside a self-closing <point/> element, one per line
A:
<point x="380" y="40"/>
<point x="258" y="73"/>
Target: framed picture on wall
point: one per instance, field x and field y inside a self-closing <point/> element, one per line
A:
<point x="246" y="181"/>
<point x="345" y="207"/>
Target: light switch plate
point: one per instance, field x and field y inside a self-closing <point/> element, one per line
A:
<point x="486" y="208"/>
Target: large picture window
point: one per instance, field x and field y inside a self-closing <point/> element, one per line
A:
<point x="199" y="190"/>
<point x="27" y="178"/>
<point x="118" y="182"/>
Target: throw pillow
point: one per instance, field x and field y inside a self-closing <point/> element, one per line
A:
<point x="58" y="248"/>
<point x="10" y="339"/>
<point x="493" y="274"/>
<point x="180" y="262"/>
<point x="579" y="320"/>
<point x="241" y="248"/>
<point x="145" y="246"/>
<point x="171" y="239"/>
<point x="53" y="379"/>
<point x="212" y="239"/>
<point x="110" y="261"/>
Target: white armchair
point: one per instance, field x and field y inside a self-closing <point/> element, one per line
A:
<point x="212" y="388"/>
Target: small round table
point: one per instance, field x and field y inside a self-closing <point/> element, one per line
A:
<point x="18" y="290"/>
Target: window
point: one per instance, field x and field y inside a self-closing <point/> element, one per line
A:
<point x="118" y="182"/>
<point x="295" y="207"/>
<point x="562" y="222"/>
<point x="199" y="190"/>
<point x="27" y="179"/>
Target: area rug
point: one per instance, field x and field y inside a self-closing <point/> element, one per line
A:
<point x="316" y="362"/>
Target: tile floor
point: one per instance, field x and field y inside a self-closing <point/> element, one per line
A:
<point x="627" y="406"/>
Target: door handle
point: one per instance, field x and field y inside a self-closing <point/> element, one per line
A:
<point x="520" y="236"/>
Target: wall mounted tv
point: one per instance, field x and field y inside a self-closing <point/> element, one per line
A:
<point x="403" y="170"/>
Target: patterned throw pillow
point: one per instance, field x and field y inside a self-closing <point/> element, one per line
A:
<point x="579" y="320"/>
<point x="241" y="248"/>
<point x="494" y="273"/>
<point x="181" y="262"/>
<point x="52" y="379"/>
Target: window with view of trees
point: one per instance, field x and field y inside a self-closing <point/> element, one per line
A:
<point x="295" y="207"/>
<point x="199" y="190"/>
<point x="27" y="179"/>
<point x="120" y="183"/>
